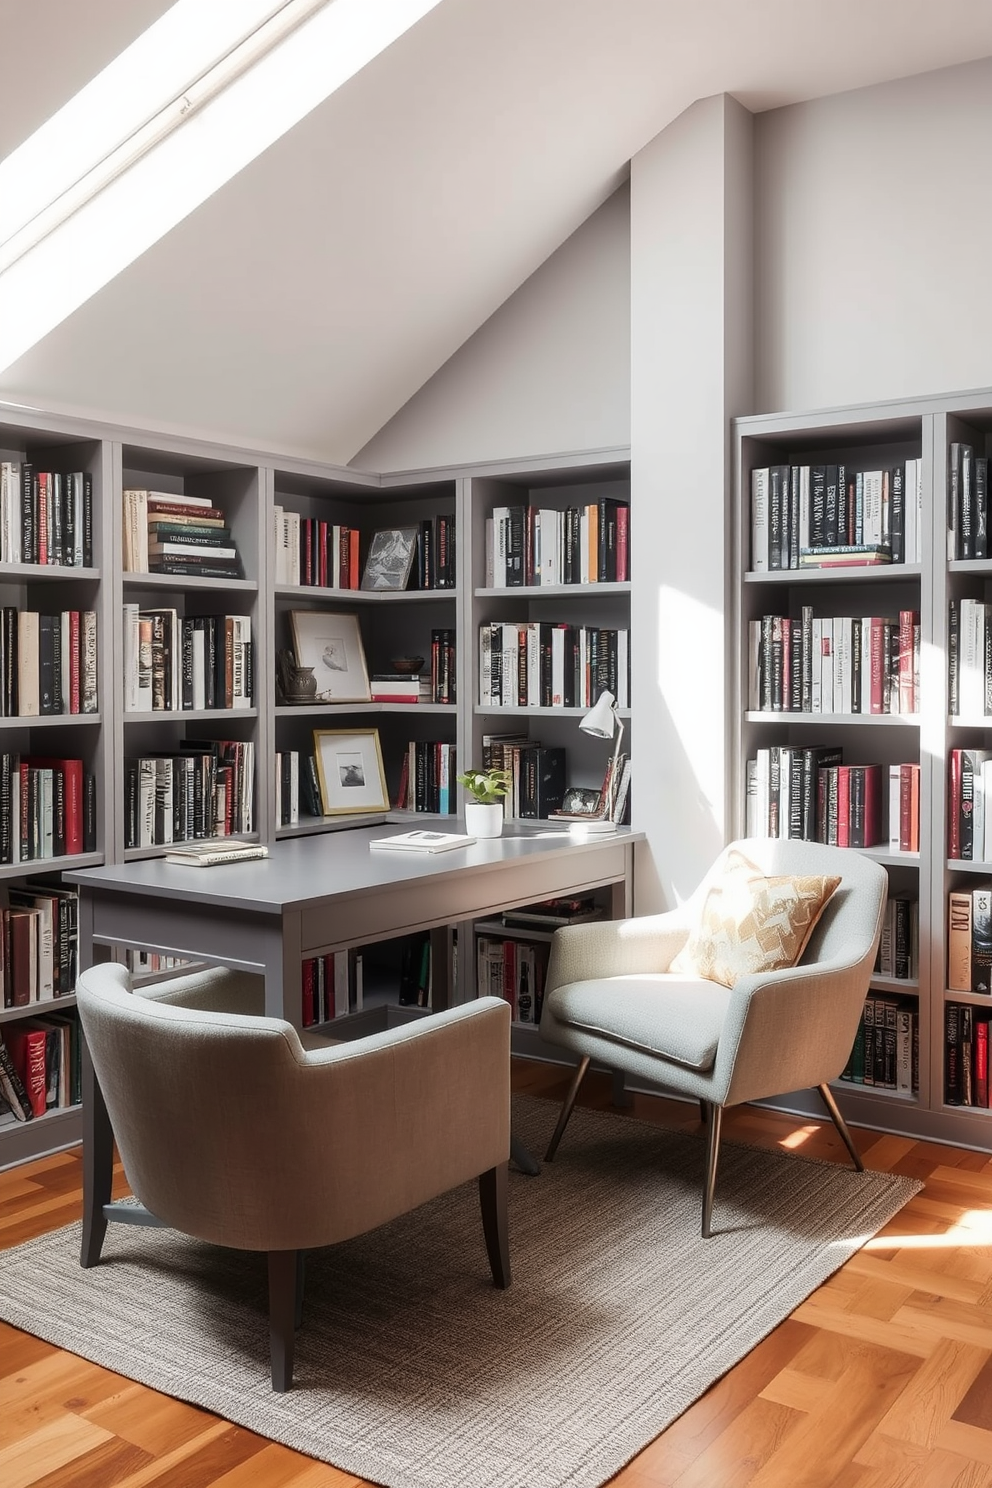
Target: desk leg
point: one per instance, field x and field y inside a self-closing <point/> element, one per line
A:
<point x="98" y="1163"/>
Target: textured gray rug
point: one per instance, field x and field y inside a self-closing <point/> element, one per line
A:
<point x="414" y="1372"/>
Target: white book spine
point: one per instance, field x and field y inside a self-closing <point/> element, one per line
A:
<point x="904" y="1050"/>
<point x="340" y="984"/>
<point x="759" y="521"/>
<point x="294" y="787"/>
<point x="895" y="805"/>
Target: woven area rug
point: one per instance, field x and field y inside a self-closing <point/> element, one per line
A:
<point x="414" y="1372"/>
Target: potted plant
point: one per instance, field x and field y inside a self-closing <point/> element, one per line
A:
<point x="484" y="813"/>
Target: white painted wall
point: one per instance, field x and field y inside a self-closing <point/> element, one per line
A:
<point x="548" y="372"/>
<point x="691" y="236"/>
<point x="874" y="218"/>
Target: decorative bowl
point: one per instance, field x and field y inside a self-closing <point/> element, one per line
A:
<point x="410" y="664"/>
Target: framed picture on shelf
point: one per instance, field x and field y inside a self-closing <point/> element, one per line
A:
<point x="332" y="646"/>
<point x="390" y="558"/>
<point x="349" y="768"/>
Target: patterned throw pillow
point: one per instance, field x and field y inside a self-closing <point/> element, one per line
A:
<point x="750" y="923"/>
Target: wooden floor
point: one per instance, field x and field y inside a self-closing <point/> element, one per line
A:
<point x="882" y="1379"/>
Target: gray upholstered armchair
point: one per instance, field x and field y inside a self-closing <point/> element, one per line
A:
<point x="610" y="996"/>
<point x="222" y="1121"/>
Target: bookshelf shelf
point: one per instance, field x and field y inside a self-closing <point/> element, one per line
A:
<point x="833" y="720"/>
<point x="189" y="715"/>
<point x="31" y="572"/>
<point x="50" y="720"/>
<point x="553" y="591"/>
<point x="181" y="582"/>
<point x="890" y="573"/>
<point x="32" y="867"/>
<point x="38" y="1010"/>
<point x="362" y="596"/>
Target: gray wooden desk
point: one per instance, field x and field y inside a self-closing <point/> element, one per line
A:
<point x="311" y="896"/>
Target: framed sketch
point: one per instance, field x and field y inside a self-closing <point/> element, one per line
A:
<point x="390" y="558"/>
<point x="332" y="646"/>
<point x="349" y="768"/>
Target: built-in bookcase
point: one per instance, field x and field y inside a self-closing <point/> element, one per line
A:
<point x="248" y="488"/>
<point x="931" y="431"/>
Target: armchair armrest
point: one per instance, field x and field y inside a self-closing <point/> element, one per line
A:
<point x="603" y="948"/>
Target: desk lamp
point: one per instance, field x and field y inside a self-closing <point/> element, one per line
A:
<point x="603" y="722"/>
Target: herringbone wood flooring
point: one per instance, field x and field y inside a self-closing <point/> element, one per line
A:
<point x="882" y="1379"/>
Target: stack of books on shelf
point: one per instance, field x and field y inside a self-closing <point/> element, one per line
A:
<point x="969" y="659"/>
<point x="536" y="771"/>
<point x="205" y="790"/>
<point x="315" y="553"/>
<point x="177" y="663"/>
<point x="332" y="986"/>
<point x="899" y="946"/>
<point x="886" y="1047"/>
<point x="966" y="1055"/>
<point x="47" y="808"/>
<point x="40" y="1067"/>
<point x="812" y="795"/>
<point x="434" y="564"/>
<point x="47" y="663"/>
<point x="969" y="805"/>
<point x="840" y="664"/>
<point x="427" y="778"/>
<point x="528" y="545"/>
<point x="827" y="516"/>
<point x="38" y="937"/>
<point x="531" y="664"/>
<point x="400" y="687"/>
<point x="153" y="963"/>
<point x="967" y="503"/>
<point x="170" y="533"/>
<point x="46" y="517"/>
<point x="515" y="970"/>
<point x="969" y="939"/>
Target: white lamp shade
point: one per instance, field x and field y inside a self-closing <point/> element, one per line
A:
<point x="601" y="720"/>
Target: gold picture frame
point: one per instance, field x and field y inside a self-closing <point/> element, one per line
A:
<point x="350" y="771"/>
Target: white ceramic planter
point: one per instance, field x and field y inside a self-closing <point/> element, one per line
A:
<point x="482" y="820"/>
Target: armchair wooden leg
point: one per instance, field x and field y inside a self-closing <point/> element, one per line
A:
<point x="827" y="1096"/>
<point x="284" y="1290"/>
<point x="566" y="1108"/>
<point x="98" y="1163"/>
<point x="712" y="1157"/>
<point x="492" y="1198"/>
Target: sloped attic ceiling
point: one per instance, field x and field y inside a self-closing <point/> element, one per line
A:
<point x="309" y="298"/>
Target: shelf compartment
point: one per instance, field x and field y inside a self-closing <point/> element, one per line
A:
<point x="857" y="720"/>
<point x="30" y="867"/>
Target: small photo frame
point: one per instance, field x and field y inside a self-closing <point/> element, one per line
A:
<point x="578" y="801"/>
<point x="390" y="558"/>
<point x="349" y="768"/>
<point x="332" y="645"/>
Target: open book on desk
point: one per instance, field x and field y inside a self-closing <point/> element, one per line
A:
<point x="210" y="852"/>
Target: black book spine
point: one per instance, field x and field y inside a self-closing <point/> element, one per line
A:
<point x="860" y="685"/>
<point x="515" y="548"/>
<point x="56" y="510"/>
<point x="48" y="682"/>
<point x="187" y="628"/>
<point x="10" y="703"/>
<point x="796" y="668"/>
<point x="952" y="1054"/>
<point x="954" y="501"/>
<point x="817" y="506"/>
<point x="12" y="1086"/>
<point x="87" y="519"/>
<point x="89" y="813"/>
<point x="69" y="485"/>
<point x="830" y="512"/>
<point x="981" y="506"/>
<point x="841" y="503"/>
<point x="58" y="813"/>
<point x="966" y="531"/>
<point x="776" y="524"/>
<point x="897" y="512"/>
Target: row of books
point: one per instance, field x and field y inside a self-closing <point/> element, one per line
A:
<point x="836" y="664"/>
<point x="812" y="795"/>
<point x="967" y="503"/>
<point x="46" y="516"/>
<point x="38" y="938"/>
<point x="47" y="808"/>
<point x="176" y="663"/>
<point x="969" y="793"/>
<point x="332" y="986"/>
<point x="536" y="770"/>
<point x="48" y="663"/>
<point x="427" y="778"/>
<point x="899" y="946"/>
<point x="528" y="545"/>
<point x="969" y="659"/>
<point x="168" y="532"/>
<point x="204" y="790"/>
<point x="823" y="516"/>
<point x="515" y="970"/>
<point x="969" y="939"/>
<point x="297" y="787"/>
<point x="966" y="1055"/>
<point x="533" y="664"/>
<point x="315" y="553"/>
<point x="153" y="963"/>
<point x="40" y="1066"/>
<point x="886" y="1050"/>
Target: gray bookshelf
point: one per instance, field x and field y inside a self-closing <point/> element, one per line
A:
<point x="248" y="484"/>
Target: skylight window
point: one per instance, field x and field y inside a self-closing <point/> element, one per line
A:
<point x="197" y="97"/>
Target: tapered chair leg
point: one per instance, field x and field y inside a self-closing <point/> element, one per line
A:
<point x="284" y="1290"/>
<point x="566" y="1107"/>
<point x="827" y="1096"/>
<point x="712" y="1157"/>
<point x="492" y="1198"/>
<point x="704" y="1111"/>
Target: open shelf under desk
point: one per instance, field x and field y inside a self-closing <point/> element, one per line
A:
<point x="21" y="1141"/>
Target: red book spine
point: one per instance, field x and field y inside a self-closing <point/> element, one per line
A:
<point x="27" y="1049"/>
<point x="907" y="687"/>
<point x="954" y="807"/>
<point x="42" y="516"/>
<point x="73" y="700"/>
<point x="873" y="805"/>
<point x="352" y="558"/>
<point x="981" y="1057"/>
<point x="906" y="807"/>
<point x="843" y="805"/>
<point x="21" y="930"/>
<point x="309" y="978"/>
<point x="623" y="562"/>
<point x="322" y="554"/>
